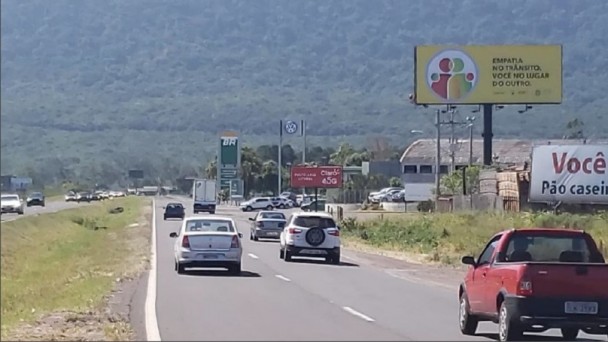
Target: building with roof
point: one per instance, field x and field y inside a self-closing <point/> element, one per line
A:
<point x="418" y="159"/>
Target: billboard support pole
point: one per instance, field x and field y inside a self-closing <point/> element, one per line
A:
<point x="487" y="134"/>
<point x="316" y="199"/>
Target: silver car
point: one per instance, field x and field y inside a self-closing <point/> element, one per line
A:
<point x="267" y="225"/>
<point x="208" y="241"/>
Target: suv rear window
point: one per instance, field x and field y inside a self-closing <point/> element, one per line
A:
<point x="314" y="221"/>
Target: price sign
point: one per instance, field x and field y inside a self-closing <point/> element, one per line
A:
<point x="316" y="176"/>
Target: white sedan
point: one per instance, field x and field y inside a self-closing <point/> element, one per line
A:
<point x="208" y="241"/>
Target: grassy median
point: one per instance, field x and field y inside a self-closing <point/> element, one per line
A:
<point x="69" y="260"/>
<point x="445" y="238"/>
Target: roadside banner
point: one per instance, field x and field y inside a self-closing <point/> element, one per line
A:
<point x="569" y="174"/>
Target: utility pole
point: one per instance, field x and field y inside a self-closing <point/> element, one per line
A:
<point x="280" y="159"/>
<point x="452" y="143"/>
<point x="438" y="157"/>
<point x="452" y="123"/>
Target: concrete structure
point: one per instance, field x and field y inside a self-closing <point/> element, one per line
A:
<point x="418" y="159"/>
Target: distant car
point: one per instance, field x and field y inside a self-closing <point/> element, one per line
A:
<point x="310" y="206"/>
<point x="257" y="203"/>
<point x="281" y="202"/>
<point x="83" y="197"/>
<point x="11" y="203"/>
<point x="267" y="225"/>
<point x="310" y="235"/>
<point x="35" y="198"/>
<point x="174" y="210"/>
<point x="71" y="196"/>
<point x="208" y="241"/>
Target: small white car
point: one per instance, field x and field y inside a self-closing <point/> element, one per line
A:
<point x="208" y="241"/>
<point x="11" y="203"/>
<point x="257" y="203"/>
<point x="311" y="234"/>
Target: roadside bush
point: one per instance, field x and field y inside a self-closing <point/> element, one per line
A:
<point x="447" y="237"/>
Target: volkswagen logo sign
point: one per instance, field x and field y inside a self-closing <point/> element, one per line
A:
<point x="291" y="127"/>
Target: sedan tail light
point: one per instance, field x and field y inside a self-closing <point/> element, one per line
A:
<point x="260" y="224"/>
<point x="294" y="230"/>
<point x="235" y="242"/>
<point x="186" y="242"/>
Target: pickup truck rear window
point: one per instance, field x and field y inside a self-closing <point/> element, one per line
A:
<point x="548" y="248"/>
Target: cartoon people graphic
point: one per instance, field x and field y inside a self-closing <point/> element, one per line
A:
<point x="453" y="76"/>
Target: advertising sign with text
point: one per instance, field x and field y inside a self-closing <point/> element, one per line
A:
<point x="316" y="176"/>
<point x="497" y="74"/>
<point x="570" y="174"/>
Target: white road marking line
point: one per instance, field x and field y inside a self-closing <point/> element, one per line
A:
<point x="253" y="256"/>
<point x="347" y="257"/>
<point x="282" y="277"/>
<point x="152" y="332"/>
<point x="357" y="313"/>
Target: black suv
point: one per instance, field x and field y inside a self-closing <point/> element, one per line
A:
<point x="36" y="198"/>
<point x="175" y="210"/>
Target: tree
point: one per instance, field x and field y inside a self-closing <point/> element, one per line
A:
<point x="395" y="182"/>
<point x="574" y="129"/>
<point x="451" y="184"/>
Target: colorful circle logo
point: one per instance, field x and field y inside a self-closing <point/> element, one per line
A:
<point x="451" y="75"/>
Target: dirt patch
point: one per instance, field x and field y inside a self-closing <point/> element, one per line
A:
<point x="110" y="322"/>
<point x="406" y="265"/>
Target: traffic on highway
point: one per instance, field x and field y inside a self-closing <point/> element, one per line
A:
<point x="317" y="297"/>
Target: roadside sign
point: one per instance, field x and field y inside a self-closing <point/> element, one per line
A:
<point x="291" y="127"/>
<point x="316" y="176"/>
<point x="569" y="174"/>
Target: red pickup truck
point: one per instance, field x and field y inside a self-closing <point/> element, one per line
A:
<point x="532" y="280"/>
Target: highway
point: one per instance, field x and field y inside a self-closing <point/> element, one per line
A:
<point x="365" y="298"/>
<point x="51" y="207"/>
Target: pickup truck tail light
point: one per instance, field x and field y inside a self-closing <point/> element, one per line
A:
<point x="294" y="230"/>
<point x="186" y="242"/>
<point x="524" y="288"/>
<point x="235" y="242"/>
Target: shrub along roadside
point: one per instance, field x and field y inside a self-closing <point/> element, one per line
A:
<point x="445" y="238"/>
<point x="67" y="260"/>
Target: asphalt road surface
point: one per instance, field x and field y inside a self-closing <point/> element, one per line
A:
<point x="51" y="207"/>
<point x="305" y="301"/>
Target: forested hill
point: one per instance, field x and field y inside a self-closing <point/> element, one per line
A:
<point x="90" y="78"/>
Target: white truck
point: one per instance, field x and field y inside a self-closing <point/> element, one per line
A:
<point x="204" y="194"/>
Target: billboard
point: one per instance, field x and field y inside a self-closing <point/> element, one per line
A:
<point x="136" y="174"/>
<point x="316" y="176"/>
<point x="570" y="174"/>
<point x="492" y="74"/>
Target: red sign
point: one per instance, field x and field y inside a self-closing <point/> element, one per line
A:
<point x="316" y="177"/>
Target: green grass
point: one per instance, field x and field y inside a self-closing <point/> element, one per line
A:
<point x="59" y="261"/>
<point x="445" y="238"/>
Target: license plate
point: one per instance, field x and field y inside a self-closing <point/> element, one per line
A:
<point x="584" y="308"/>
<point x="207" y="256"/>
<point x="273" y="233"/>
<point x="313" y="251"/>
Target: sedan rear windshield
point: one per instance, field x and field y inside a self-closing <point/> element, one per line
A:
<point x="209" y="226"/>
<point x="276" y="216"/>
<point x="550" y="248"/>
<point x="314" y="221"/>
